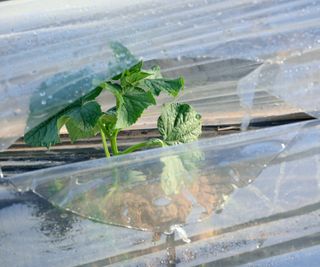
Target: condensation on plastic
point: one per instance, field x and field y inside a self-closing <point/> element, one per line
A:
<point x="219" y="46"/>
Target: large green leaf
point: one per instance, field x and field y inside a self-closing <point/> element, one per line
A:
<point x="179" y="123"/>
<point x="45" y="134"/>
<point x="85" y="116"/>
<point x="156" y="86"/>
<point x="83" y="120"/>
<point x="132" y="104"/>
<point x="76" y="133"/>
<point x="64" y="95"/>
<point x="80" y="121"/>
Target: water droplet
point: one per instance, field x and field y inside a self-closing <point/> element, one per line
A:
<point x="42" y="93"/>
<point x="49" y="96"/>
<point x="43" y="102"/>
<point x="179" y="58"/>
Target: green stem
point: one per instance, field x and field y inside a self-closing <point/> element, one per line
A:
<point x="113" y="140"/>
<point x="150" y="143"/>
<point x="104" y="142"/>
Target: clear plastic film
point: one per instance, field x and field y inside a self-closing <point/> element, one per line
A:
<point x="242" y="60"/>
<point x="242" y="192"/>
<point x="55" y="51"/>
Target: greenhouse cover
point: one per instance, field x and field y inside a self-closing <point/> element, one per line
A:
<point x="245" y="199"/>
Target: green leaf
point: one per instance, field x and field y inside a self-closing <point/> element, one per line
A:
<point x="131" y="79"/>
<point x="76" y="133"/>
<point x="155" y="72"/>
<point x="137" y="67"/>
<point x="62" y="121"/>
<point x="58" y="93"/>
<point x="156" y="86"/>
<point x="132" y="76"/>
<point x="83" y="120"/>
<point x="109" y="117"/>
<point x="85" y="116"/>
<point x="173" y="175"/>
<point x="131" y="106"/>
<point x="179" y="123"/>
<point x="113" y="88"/>
<point x="45" y="134"/>
<point x="108" y="121"/>
<point x="92" y="95"/>
<point x="80" y="121"/>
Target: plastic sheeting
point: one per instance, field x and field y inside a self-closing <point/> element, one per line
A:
<point x="241" y="59"/>
<point x="186" y="184"/>
<point x="250" y="196"/>
<point x="49" y="48"/>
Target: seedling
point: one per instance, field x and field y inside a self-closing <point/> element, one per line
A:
<point x="134" y="89"/>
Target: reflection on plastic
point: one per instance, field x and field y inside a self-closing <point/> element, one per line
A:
<point x="143" y="191"/>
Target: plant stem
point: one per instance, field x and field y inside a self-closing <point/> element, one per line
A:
<point x="113" y="140"/>
<point x="150" y="143"/>
<point x="104" y="142"/>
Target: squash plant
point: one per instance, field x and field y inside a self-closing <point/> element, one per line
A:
<point x="135" y="89"/>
